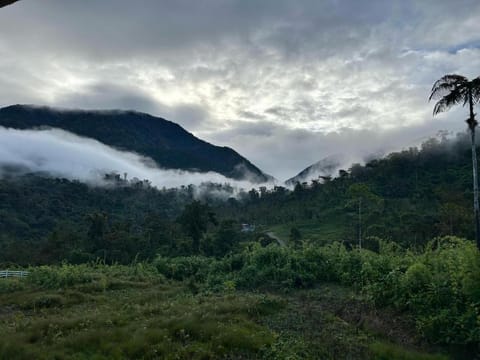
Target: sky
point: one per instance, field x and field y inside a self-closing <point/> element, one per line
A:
<point x="284" y="83"/>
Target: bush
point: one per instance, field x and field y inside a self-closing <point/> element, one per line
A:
<point x="184" y="267"/>
<point x="439" y="287"/>
<point x="60" y="276"/>
<point x="66" y="275"/>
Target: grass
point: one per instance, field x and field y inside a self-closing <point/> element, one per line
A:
<point x="126" y="319"/>
<point x="319" y="231"/>
<point x="387" y="351"/>
<point x="127" y="313"/>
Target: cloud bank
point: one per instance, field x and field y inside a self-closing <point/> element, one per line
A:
<point x="63" y="154"/>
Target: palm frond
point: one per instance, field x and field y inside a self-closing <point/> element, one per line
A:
<point x="453" y="98"/>
<point x="475" y="84"/>
<point x="446" y="84"/>
<point x="464" y="91"/>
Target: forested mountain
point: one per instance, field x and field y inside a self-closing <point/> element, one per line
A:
<point x="408" y="197"/>
<point x="166" y="142"/>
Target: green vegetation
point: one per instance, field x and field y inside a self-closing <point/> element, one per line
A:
<point x="113" y="312"/>
<point x="438" y="287"/>
<point x="259" y="302"/>
<point x="119" y="312"/>
<point x="129" y="271"/>
<point x="409" y="198"/>
<point x="325" y="232"/>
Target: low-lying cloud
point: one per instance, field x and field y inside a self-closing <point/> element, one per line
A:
<point x="64" y="154"/>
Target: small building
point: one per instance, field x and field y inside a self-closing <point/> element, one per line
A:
<point x="247" y="228"/>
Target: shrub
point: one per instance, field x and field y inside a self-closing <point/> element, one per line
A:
<point x="185" y="267"/>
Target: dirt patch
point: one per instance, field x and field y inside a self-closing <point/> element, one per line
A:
<point x="7" y="310"/>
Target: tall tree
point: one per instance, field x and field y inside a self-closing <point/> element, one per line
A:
<point x="452" y="90"/>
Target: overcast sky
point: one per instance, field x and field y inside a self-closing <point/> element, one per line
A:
<point x="285" y="83"/>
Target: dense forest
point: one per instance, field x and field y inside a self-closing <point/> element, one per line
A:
<point x="408" y="197"/>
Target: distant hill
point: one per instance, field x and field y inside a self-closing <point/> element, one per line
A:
<point x="166" y="142"/>
<point x="325" y="167"/>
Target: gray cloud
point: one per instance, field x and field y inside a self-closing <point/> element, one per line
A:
<point x="111" y="96"/>
<point x="283" y="82"/>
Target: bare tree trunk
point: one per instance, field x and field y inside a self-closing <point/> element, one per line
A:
<point x="472" y="124"/>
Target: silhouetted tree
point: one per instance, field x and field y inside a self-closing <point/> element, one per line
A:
<point x="453" y="90"/>
<point x="194" y="221"/>
<point x="98" y="223"/>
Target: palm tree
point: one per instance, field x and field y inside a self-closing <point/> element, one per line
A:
<point x="453" y="90"/>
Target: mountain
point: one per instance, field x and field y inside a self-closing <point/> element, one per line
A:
<point x="325" y="167"/>
<point x="166" y="142"/>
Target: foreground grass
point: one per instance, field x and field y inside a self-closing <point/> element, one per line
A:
<point x="130" y="319"/>
<point x="130" y="313"/>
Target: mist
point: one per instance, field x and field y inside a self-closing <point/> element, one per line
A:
<point x="63" y="154"/>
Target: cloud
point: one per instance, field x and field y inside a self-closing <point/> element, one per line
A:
<point x="285" y="152"/>
<point x="63" y="154"/>
<point x="111" y="96"/>
<point x="115" y="96"/>
<point x="276" y="80"/>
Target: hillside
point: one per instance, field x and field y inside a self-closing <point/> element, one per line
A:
<point x="166" y="142"/>
<point x="325" y="167"/>
<point x="409" y="197"/>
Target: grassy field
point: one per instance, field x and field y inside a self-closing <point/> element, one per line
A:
<point x="320" y="232"/>
<point x="123" y="313"/>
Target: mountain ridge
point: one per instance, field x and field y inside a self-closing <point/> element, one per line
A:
<point x="324" y="167"/>
<point x="166" y="142"/>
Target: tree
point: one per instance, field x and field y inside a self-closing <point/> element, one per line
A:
<point x="223" y="240"/>
<point x="452" y="90"/>
<point x="98" y="223"/>
<point x="194" y="221"/>
<point x="295" y="237"/>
